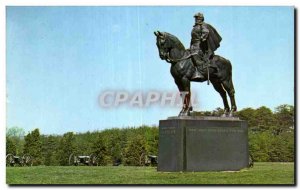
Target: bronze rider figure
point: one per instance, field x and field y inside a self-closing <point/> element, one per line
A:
<point x="205" y="40"/>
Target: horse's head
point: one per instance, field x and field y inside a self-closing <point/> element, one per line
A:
<point x="162" y="44"/>
<point x="165" y="42"/>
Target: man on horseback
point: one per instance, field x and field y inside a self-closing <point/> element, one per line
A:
<point x="205" y="40"/>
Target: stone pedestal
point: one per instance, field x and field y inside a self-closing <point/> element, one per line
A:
<point x="202" y="144"/>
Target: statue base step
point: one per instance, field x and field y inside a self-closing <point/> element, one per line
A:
<point x="202" y="144"/>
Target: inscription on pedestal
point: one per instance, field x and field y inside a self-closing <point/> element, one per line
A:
<point x="216" y="130"/>
<point x="168" y="131"/>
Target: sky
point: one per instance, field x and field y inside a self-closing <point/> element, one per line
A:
<point x="60" y="59"/>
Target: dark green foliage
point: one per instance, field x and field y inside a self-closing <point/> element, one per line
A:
<point x="152" y="140"/>
<point x="11" y="147"/>
<point x="271" y="135"/>
<point x="136" y="151"/>
<point x="33" y="146"/>
<point x="271" y="138"/>
<point x="284" y="116"/>
<point x="50" y="150"/>
<point x="264" y="119"/>
<point x="247" y="114"/>
<point x="116" y="145"/>
<point x="65" y="148"/>
<point x="218" y="112"/>
<point x="259" y="144"/>
<point x="84" y="142"/>
<point x="100" y="149"/>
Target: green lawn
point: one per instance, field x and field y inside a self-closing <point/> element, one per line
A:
<point x="261" y="173"/>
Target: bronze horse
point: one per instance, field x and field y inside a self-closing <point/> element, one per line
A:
<point x="182" y="69"/>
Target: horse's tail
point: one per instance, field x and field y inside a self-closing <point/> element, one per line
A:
<point x="224" y="67"/>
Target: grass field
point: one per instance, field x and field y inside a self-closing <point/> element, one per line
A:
<point x="261" y="173"/>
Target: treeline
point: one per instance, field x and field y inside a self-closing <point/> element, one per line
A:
<point x="271" y="139"/>
<point x="130" y="146"/>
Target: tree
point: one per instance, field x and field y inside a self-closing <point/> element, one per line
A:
<point x="273" y="139"/>
<point x="100" y="148"/>
<point x="115" y="144"/>
<point x="49" y="150"/>
<point x="10" y="146"/>
<point x="16" y="135"/>
<point x="15" y="132"/>
<point x="28" y="143"/>
<point x="248" y="114"/>
<point x="135" y="151"/>
<point x="259" y="144"/>
<point x="284" y="116"/>
<point x="260" y="119"/>
<point x="33" y="146"/>
<point x="290" y="146"/>
<point x="264" y="118"/>
<point x="218" y="111"/>
<point x="151" y="134"/>
<point x="66" y="148"/>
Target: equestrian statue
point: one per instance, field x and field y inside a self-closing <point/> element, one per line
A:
<point x="198" y="64"/>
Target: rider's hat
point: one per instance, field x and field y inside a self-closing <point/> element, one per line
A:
<point x="199" y="15"/>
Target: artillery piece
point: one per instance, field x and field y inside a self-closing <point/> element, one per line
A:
<point x="75" y="160"/>
<point x="12" y="160"/>
<point x="151" y="160"/>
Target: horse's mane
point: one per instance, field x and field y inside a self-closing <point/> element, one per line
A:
<point x="175" y="40"/>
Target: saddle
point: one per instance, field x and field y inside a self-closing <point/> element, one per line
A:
<point x="207" y="62"/>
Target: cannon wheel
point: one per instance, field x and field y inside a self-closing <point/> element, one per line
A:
<point x="10" y="160"/>
<point x="143" y="159"/>
<point x="26" y="160"/>
<point x="251" y="162"/>
<point x="147" y="161"/>
<point x="73" y="160"/>
<point x="93" y="160"/>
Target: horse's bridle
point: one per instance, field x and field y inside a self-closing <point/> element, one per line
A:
<point x="170" y="60"/>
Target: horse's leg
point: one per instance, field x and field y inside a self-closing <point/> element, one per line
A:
<point x="187" y="98"/>
<point x="181" y="89"/>
<point x="219" y="88"/>
<point x="228" y="85"/>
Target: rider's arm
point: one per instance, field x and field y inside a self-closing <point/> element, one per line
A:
<point x="205" y="32"/>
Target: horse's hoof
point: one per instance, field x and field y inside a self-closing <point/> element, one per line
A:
<point x="184" y="114"/>
<point x="232" y="113"/>
<point x="226" y="114"/>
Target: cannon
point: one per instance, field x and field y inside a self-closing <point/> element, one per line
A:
<point x="76" y="160"/>
<point x="148" y="160"/>
<point x="117" y="162"/>
<point x="12" y="160"/>
<point x="151" y="160"/>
